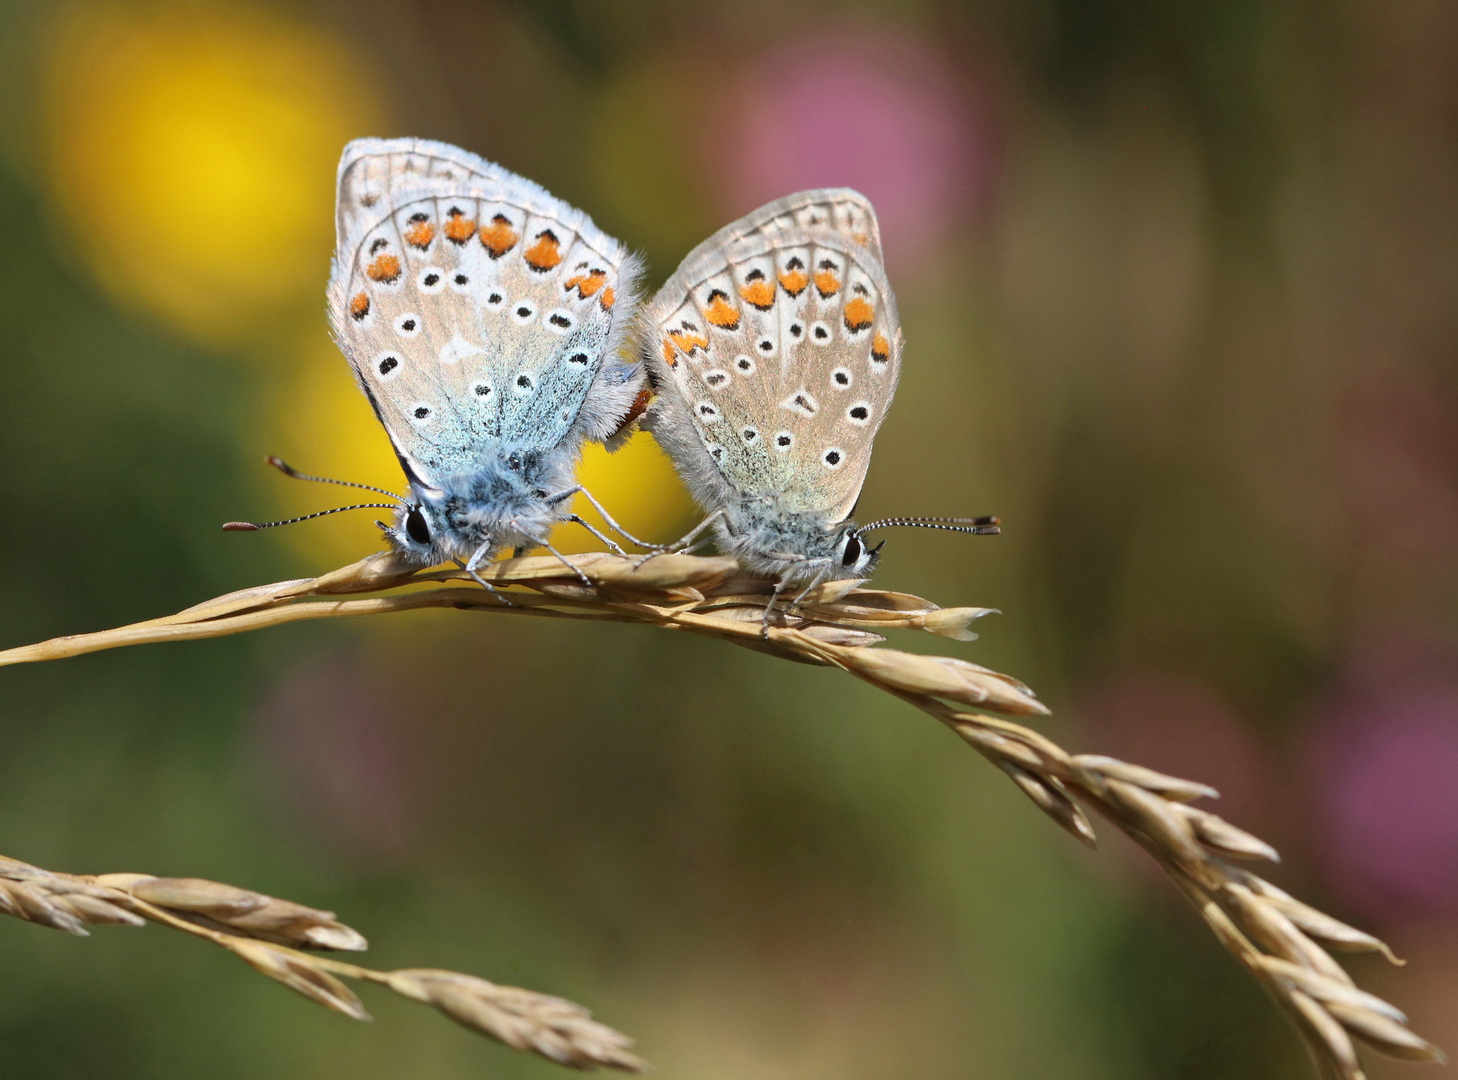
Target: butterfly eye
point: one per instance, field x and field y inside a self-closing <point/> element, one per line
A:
<point x="415" y="526"/>
<point x="852" y="551"/>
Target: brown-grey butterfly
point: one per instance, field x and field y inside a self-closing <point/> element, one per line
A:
<point x="774" y="351"/>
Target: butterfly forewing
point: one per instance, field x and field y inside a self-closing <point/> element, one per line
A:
<point x="778" y="345"/>
<point x="471" y="304"/>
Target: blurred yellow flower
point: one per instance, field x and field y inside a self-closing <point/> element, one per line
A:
<point x="191" y="151"/>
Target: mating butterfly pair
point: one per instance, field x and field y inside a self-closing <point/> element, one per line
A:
<point x="485" y="321"/>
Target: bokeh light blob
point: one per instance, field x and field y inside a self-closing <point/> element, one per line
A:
<point x="336" y="761"/>
<point x="191" y="152"/>
<point x="1387" y="791"/>
<point x="879" y="112"/>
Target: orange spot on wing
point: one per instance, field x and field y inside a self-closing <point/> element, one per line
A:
<point x="458" y="227"/>
<point x="385" y="268"/>
<point x="668" y="357"/>
<point x="760" y="293"/>
<point x="687" y="341"/>
<point x="420" y="234"/>
<point x="586" y="284"/>
<point x="794" y="281"/>
<point x="826" y="283"/>
<point x="608" y="299"/>
<point x="721" y="312"/>
<point x="359" y="307"/>
<point x="880" y="347"/>
<point x="545" y="253"/>
<point x="858" y="314"/>
<point x="498" y="237"/>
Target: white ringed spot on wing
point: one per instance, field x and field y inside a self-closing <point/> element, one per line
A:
<point x="386" y="365"/>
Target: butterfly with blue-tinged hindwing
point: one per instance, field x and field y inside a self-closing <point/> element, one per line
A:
<point x="483" y="319"/>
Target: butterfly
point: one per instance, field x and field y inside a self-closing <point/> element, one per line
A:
<point x="483" y="320"/>
<point x="774" y="351"/>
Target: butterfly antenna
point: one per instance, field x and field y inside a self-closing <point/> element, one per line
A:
<point x="288" y="470"/>
<point x="254" y="526"/>
<point x="978" y="526"/>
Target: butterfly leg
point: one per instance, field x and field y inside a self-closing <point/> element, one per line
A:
<point x="770" y="607"/>
<point x="816" y="580"/>
<point x="687" y="542"/>
<point x="568" y="563"/>
<point x="611" y="523"/>
<point x="470" y="568"/>
<point x="611" y="546"/>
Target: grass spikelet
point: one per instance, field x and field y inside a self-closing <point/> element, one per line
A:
<point x="270" y="935"/>
<point x="1281" y="941"/>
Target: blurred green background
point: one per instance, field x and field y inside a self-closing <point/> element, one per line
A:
<point x="1179" y="282"/>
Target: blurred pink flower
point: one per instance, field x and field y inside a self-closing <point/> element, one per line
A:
<point x="881" y="112"/>
<point x="333" y="763"/>
<point x="1385" y="772"/>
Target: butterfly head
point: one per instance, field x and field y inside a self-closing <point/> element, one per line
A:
<point x="504" y="502"/>
<point x="854" y="557"/>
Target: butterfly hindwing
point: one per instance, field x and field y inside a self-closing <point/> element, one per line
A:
<point x="776" y="350"/>
<point x="472" y="305"/>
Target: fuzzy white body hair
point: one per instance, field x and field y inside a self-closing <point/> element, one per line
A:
<point x="505" y="502"/>
<point x="794" y="548"/>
